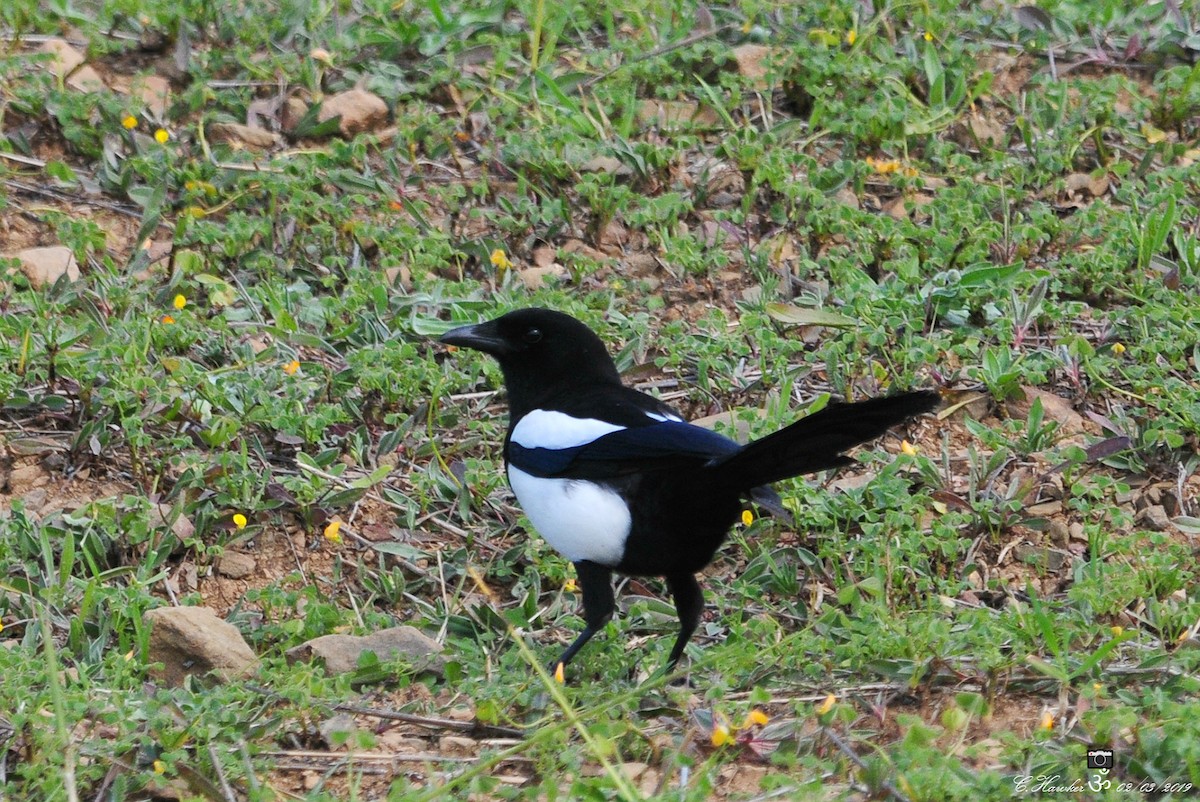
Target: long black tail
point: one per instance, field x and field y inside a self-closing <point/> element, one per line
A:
<point x="816" y="442"/>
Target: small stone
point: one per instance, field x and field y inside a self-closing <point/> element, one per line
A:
<point x="457" y="746"/>
<point x="753" y="62"/>
<point x="164" y="515"/>
<point x="44" y="266"/>
<point x="1076" y="531"/>
<point x="25" y="478"/>
<point x="65" y="58"/>
<point x="293" y="112"/>
<point x="336" y="730"/>
<point x="195" y="641"/>
<point x="676" y="114"/>
<point x="86" y="79"/>
<point x="359" y="109"/>
<point x="1154" y="517"/>
<point x="243" y="135"/>
<point x="535" y="277"/>
<point x="340" y="653"/>
<point x="236" y="565"/>
<point x="1060" y="533"/>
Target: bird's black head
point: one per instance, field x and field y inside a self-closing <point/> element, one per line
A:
<point x="539" y="351"/>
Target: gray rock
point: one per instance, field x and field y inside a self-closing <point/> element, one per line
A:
<point x="1154" y="517"/>
<point x="340" y="653"/>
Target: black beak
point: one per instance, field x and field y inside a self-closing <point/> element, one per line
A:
<point x="480" y="337"/>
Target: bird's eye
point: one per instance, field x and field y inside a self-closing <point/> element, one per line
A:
<point x="532" y="336"/>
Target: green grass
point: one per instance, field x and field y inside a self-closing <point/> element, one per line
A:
<point x="961" y="210"/>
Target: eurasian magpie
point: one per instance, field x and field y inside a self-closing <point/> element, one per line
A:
<point x="616" y="480"/>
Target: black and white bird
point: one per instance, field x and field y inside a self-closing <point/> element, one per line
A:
<point x="616" y="480"/>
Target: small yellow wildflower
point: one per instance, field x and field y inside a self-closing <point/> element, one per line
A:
<point x="721" y="735"/>
<point x="159" y="767"/>
<point x="747" y="26"/>
<point x="167" y="320"/>
<point x="747" y="517"/>
<point x="179" y="301"/>
<point x="1118" y="348"/>
<point x="559" y="674"/>
<point x="1047" y="722"/>
<point x="332" y="533"/>
<point x="1118" y="631"/>
<point x="827" y="705"/>
<point x="928" y="36"/>
<point x="883" y="166"/>
<point x="129" y="122"/>
<point x="291" y="367"/>
<point x="500" y="260"/>
<point x="908" y="448"/>
<point x="239" y="520"/>
<point x="851" y="36"/>
<point x="756" y="716"/>
<point x="161" y="136"/>
<point x="569" y="586"/>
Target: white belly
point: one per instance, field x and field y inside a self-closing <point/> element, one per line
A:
<point x="580" y="519"/>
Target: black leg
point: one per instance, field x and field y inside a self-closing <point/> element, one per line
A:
<point x="596" y="583"/>
<point x="689" y="603"/>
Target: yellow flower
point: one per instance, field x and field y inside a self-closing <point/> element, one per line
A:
<point x="500" y="260"/>
<point x="851" y="36"/>
<point x="1117" y="631"/>
<point x="883" y="166"/>
<point x="179" y="302"/>
<point x="161" y="136"/>
<point x="239" y="520"/>
<point x="908" y="448"/>
<point x="747" y="517"/>
<point x="928" y="36"/>
<point x="159" y="767"/>
<point x="196" y="211"/>
<point x="827" y="705"/>
<point x="559" y="674"/>
<point x="129" y="122"/>
<point x="756" y="716"/>
<point x="331" y="532"/>
<point x="721" y="735"/>
<point x="1118" y="348"/>
<point x="291" y="367"/>
<point x="1047" y="722"/>
<point x="569" y="586"/>
<point x="167" y="320"/>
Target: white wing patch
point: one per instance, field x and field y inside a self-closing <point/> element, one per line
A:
<point x="542" y="428"/>
<point x="580" y="519"/>
<point x="664" y="418"/>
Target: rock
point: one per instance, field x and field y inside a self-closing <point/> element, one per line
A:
<point x="336" y="730"/>
<point x="1154" y="517"/>
<point x="248" y="136"/>
<point x="44" y="266"/>
<point x="86" y="79"/>
<point x="1055" y="407"/>
<point x="65" y="59"/>
<point x="676" y="114"/>
<point x="195" y="641"/>
<point x="535" y="277"/>
<point x="164" y="516"/>
<point x="753" y="62"/>
<point x="605" y="164"/>
<point x="1060" y="533"/>
<point x="458" y="746"/>
<point x="359" y="109"/>
<point x="25" y="478"/>
<point x="340" y="653"/>
<point x="236" y="565"/>
<point x="292" y="113"/>
<point x="1077" y="532"/>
